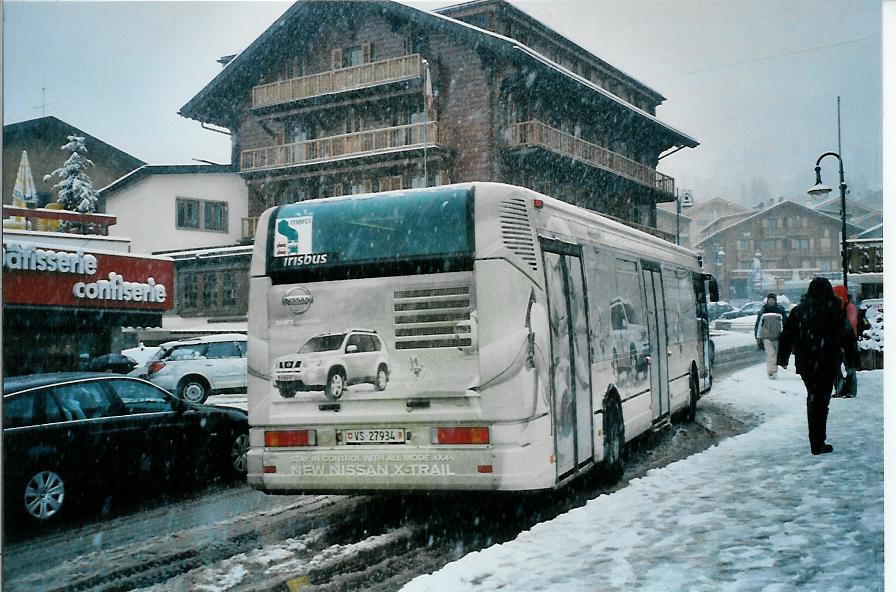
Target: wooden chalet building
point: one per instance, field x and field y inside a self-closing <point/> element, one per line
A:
<point x="330" y="100"/>
<point x="793" y="244"/>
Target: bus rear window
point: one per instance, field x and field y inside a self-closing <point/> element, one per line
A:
<point x="425" y="231"/>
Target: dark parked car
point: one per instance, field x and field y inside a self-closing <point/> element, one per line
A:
<point x="69" y="435"/>
<point x="118" y="363"/>
<point x="717" y="309"/>
<point x="750" y="308"/>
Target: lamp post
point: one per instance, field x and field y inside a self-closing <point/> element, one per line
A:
<point x="820" y="190"/>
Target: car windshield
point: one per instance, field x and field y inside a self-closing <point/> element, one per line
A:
<point x="323" y="343"/>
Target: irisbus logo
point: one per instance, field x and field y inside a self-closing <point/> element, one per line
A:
<point x="298" y="300"/>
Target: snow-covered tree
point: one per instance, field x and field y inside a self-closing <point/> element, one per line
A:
<point x="75" y="190"/>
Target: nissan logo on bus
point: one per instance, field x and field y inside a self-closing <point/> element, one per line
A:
<point x="298" y="300"/>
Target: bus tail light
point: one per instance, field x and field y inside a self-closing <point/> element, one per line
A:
<point x="283" y="438"/>
<point x="155" y="367"/>
<point x="269" y="469"/>
<point x="465" y="435"/>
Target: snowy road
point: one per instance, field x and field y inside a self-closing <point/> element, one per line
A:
<point x="229" y="537"/>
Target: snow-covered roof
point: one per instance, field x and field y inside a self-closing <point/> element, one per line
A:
<point x="208" y="252"/>
<point x="163" y="169"/>
<point x="510" y="47"/>
<point x="873" y="232"/>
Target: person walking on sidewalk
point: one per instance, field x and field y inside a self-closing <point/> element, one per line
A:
<point x="769" y="324"/>
<point x="820" y="337"/>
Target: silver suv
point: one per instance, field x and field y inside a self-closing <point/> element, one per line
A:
<point x="331" y="362"/>
<point x="200" y="366"/>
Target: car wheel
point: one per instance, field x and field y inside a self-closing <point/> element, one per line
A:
<point x="44" y="495"/>
<point x="239" y="449"/>
<point x="614" y="441"/>
<point x="382" y="377"/>
<point x="192" y="390"/>
<point x="335" y="384"/>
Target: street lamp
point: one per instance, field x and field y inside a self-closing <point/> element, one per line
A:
<point x="820" y="190"/>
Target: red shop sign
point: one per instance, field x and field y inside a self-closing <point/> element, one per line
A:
<point x="50" y="276"/>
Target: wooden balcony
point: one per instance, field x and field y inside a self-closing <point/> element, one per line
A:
<point x="358" y="144"/>
<point x="865" y="255"/>
<point x="335" y="81"/>
<point x="536" y="133"/>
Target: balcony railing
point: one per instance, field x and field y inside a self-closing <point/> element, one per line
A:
<point x="536" y="133"/>
<point x="50" y="219"/>
<point x="334" y="81"/>
<point x="352" y="145"/>
<point x="865" y="255"/>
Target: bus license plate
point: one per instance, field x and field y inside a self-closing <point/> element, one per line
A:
<point x="373" y="436"/>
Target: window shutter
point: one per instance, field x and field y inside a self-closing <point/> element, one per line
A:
<point x="336" y="59"/>
<point x="367" y="52"/>
<point x="368" y="185"/>
<point x="337" y="189"/>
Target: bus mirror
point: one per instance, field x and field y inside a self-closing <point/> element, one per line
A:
<point x="713" y="289"/>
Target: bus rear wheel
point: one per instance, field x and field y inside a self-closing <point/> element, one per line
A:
<point x="614" y="441"/>
<point x="691" y="412"/>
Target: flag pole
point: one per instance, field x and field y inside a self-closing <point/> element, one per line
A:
<point x="426" y="95"/>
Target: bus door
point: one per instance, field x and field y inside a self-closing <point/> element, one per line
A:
<point x="659" y="343"/>
<point x="570" y="356"/>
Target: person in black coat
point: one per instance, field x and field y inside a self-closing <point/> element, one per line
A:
<point x="820" y="337"/>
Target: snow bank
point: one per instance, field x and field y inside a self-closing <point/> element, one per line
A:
<point x="873" y="338"/>
<point x="757" y="512"/>
<point x="725" y="340"/>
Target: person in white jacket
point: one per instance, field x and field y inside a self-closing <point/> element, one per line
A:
<point x="769" y="324"/>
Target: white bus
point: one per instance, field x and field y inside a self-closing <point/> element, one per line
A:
<point x="465" y="337"/>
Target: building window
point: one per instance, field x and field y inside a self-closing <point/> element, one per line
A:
<point x="228" y="289"/>
<point x="187" y="213"/>
<point x="197" y="214"/>
<point x="799" y="243"/>
<point x="189" y="290"/>
<point x="210" y="290"/>
<point x="216" y="215"/>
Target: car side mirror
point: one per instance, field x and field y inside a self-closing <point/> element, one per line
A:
<point x="351" y="349"/>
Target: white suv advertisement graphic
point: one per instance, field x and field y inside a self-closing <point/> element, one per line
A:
<point x="332" y="362"/>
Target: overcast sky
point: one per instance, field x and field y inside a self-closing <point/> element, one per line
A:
<point x="755" y="82"/>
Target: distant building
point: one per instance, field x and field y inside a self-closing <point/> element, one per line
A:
<point x="43" y="139"/>
<point x="790" y="243"/>
<point x="856" y="211"/>
<point x="674" y="224"/>
<point x="334" y="98"/>
<point x="702" y="215"/>
<point x="191" y="206"/>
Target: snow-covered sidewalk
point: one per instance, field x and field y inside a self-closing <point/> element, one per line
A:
<point x="756" y="513"/>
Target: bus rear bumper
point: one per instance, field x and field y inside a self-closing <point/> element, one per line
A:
<point x="371" y="469"/>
